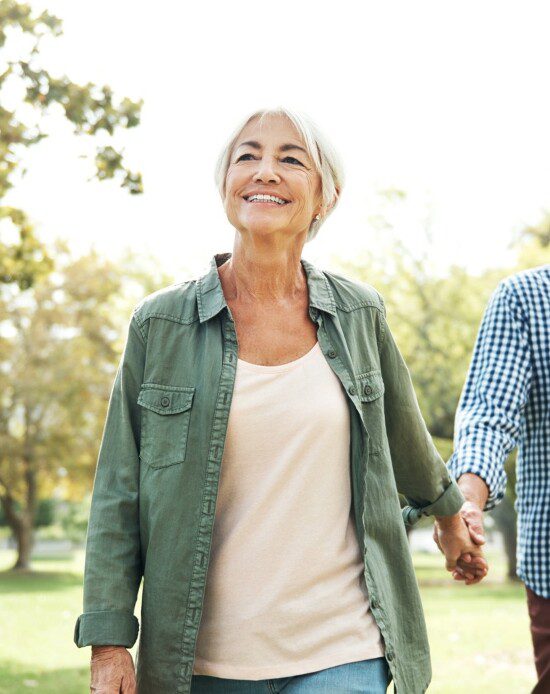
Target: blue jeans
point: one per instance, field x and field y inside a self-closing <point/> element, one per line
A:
<point x="365" y="676"/>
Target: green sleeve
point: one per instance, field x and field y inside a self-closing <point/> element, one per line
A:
<point x="420" y="473"/>
<point x="113" y="566"/>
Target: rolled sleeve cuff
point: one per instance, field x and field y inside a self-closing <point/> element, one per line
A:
<point x="447" y="504"/>
<point x="106" y="628"/>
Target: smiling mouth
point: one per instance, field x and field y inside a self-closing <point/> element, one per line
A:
<point x="266" y="200"/>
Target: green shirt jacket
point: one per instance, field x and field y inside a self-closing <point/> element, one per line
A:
<point x="158" y="469"/>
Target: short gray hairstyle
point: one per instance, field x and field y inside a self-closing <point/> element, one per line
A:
<point x="325" y="158"/>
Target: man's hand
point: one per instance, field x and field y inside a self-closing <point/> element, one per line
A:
<point x="473" y="516"/>
<point x="463" y="557"/>
<point x="112" y="671"/>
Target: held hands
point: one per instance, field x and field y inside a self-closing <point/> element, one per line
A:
<point x="459" y="538"/>
<point x="112" y="671"/>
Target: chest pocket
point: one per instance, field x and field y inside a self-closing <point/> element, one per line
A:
<point x="165" y="417"/>
<point x="371" y="390"/>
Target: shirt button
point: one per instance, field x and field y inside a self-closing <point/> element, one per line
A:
<point x="389" y="655"/>
<point x="352" y="390"/>
<point x="374" y="601"/>
<point x="331" y="354"/>
<point x="367" y="390"/>
<point x="165" y="401"/>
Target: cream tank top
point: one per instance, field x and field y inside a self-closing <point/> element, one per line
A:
<point x="285" y="593"/>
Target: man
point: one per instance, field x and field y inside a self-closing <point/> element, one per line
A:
<point x="506" y="403"/>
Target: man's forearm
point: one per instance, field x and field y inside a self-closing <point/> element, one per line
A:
<point x="474" y="489"/>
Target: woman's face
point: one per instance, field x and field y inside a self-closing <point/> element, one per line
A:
<point x="271" y="159"/>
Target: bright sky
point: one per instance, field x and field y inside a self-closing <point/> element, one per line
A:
<point x="448" y="101"/>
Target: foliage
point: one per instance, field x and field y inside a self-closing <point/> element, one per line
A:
<point x="533" y="253"/>
<point x="90" y="109"/>
<point x="60" y="344"/>
<point x="435" y="321"/>
<point x="45" y="513"/>
<point x="74" y="519"/>
<point x="540" y="232"/>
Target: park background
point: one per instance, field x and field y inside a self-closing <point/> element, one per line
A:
<point x="111" y="118"/>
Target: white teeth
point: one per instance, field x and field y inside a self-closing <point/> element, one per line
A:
<point x="272" y="198"/>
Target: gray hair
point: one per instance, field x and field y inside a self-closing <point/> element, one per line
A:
<point x="325" y="158"/>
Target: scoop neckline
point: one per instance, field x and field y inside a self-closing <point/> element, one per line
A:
<point x="273" y="368"/>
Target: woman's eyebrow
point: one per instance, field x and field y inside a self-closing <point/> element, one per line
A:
<point x="283" y="148"/>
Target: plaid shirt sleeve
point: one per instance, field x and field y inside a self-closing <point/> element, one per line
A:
<point x="488" y="419"/>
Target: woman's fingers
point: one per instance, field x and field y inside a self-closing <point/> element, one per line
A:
<point x="472" y="573"/>
<point x="112" y="670"/>
<point x="128" y="685"/>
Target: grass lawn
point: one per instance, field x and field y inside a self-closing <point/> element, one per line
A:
<point x="479" y="635"/>
<point x="38" y="612"/>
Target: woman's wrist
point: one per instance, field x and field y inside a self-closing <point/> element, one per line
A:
<point x="104" y="649"/>
<point x="449" y="522"/>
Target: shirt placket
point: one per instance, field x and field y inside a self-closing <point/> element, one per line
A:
<point x="331" y="353"/>
<point x="209" y="498"/>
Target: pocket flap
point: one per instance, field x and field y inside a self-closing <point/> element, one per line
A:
<point x="371" y="385"/>
<point x="166" y="399"/>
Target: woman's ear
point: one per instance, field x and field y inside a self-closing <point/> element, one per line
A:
<point x="329" y="207"/>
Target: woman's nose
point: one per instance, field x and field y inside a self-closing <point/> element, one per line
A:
<point x="266" y="171"/>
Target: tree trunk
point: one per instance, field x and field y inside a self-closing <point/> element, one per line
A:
<point x="21" y="524"/>
<point x="25" y="541"/>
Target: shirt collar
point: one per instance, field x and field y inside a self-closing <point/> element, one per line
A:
<point x="211" y="300"/>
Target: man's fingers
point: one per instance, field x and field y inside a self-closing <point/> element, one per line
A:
<point x="474" y="520"/>
<point x="476" y="533"/>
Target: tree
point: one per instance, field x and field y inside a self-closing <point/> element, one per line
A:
<point x="435" y="319"/>
<point x="90" y="109"/>
<point x="57" y="351"/>
<point x="60" y="344"/>
<point x="540" y="232"/>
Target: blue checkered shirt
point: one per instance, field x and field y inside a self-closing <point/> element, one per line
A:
<point x="506" y="403"/>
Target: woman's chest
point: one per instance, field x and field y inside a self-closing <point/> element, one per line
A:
<point x="273" y="338"/>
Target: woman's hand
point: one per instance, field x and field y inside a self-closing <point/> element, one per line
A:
<point x="112" y="671"/>
<point x="464" y="558"/>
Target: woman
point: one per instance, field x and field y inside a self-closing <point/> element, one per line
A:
<point x="267" y="396"/>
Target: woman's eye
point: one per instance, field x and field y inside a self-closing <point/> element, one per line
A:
<point x="294" y="160"/>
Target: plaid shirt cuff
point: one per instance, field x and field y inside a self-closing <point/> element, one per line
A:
<point x="493" y="476"/>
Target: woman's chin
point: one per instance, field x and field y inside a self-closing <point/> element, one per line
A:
<point x="264" y="227"/>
